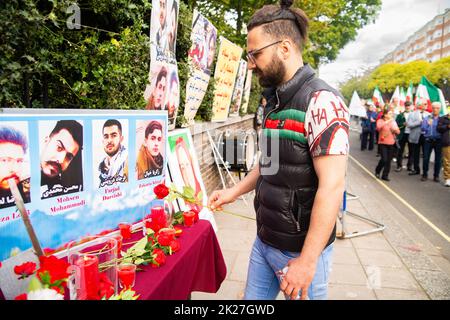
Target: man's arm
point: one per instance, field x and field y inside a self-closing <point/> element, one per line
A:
<point x="331" y="174"/>
<point x="220" y="197"/>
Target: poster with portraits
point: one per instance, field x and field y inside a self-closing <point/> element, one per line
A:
<point x="247" y="88"/>
<point x="238" y="91"/>
<point x="14" y="161"/>
<point x="78" y="174"/>
<point x="201" y="57"/>
<point x="163" y="90"/>
<point x="184" y="170"/>
<point x="228" y="61"/>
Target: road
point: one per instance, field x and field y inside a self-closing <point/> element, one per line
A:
<point x="430" y="199"/>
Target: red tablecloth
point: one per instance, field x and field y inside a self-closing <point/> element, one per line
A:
<point x="198" y="266"/>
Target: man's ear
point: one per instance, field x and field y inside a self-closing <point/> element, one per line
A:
<point x="286" y="48"/>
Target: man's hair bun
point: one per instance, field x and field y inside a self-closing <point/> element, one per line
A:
<point x="286" y="4"/>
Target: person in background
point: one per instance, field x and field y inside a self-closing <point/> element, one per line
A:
<point x="380" y="109"/>
<point x="366" y="128"/>
<point x="414" y="123"/>
<point x="259" y="118"/>
<point x="432" y="141"/>
<point x="402" y="138"/>
<point x="387" y="129"/>
<point x="444" y="129"/>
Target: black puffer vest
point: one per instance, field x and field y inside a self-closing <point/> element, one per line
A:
<point x="284" y="200"/>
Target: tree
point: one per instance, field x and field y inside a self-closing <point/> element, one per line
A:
<point x="439" y="72"/>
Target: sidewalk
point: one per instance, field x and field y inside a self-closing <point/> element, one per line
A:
<point x="397" y="263"/>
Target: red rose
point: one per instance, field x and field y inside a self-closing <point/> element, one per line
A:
<point x="22" y="296"/>
<point x="161" y="191"/>
<point x="154" y="225"/>
<point x="25" y="269"/>
<point x="166" y="236"/>
<point x="175" y="245"/>
<point x="56" y="268"/>
<point x="159" y="258"/>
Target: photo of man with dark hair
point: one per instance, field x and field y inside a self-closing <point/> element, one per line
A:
<point x="13" y="147"/>
<point x="61" y="160"/>
<point x="114" y="166"/>
<point x="150" y="160"/>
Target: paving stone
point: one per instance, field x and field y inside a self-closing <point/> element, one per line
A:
<point x="435" y="283"/>
<point x="347" y="274"/>
<point x="229" y="290"/>
<point x="372" y="241"/>
<point x="394" y="278"/>
<point x="350" y="292"/>
<point x="399" y="294"/>
<point x="345" y="255"/>
<point x="380" y="258"/>
<point x="240" y="267"/>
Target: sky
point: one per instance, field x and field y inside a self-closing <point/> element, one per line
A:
<point x="396" y="21"/>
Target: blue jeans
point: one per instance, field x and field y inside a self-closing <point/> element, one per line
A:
<point x="265" y="260"/>
<point x="429" y="146"/>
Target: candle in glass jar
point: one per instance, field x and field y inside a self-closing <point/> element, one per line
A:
<point x="158" y="214"/>
<point x="125" y="230"/>
<point x="89" y="277"/>
<point x="127" y="275"/>
<point x="189" y="217"/>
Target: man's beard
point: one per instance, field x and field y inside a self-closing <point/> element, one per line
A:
<point x="273" y="76"/>
<point x="113" y="152"/>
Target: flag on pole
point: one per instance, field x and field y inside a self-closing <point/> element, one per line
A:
<point x="376" y="97"/>
<point x="409" y="93"/>
<point x="402" y="97"/>
<point x="396" y="95"/>
<point x="356" y="107"/>
<point x="428" y="93"/>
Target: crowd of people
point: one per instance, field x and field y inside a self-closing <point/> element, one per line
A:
<point x="411" y="133"/>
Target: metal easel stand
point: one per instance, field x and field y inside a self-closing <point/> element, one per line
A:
<point x="217" y="158"/>
<point x="344" y="234"/>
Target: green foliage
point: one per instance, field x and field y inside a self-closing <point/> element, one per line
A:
<point x="439" y="72"/>
<point x="390" y="75"/>
<point x="359" y="84"/>
<point x="105" y="64"/>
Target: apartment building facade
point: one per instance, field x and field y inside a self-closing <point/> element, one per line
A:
<point x="430" y="43"/>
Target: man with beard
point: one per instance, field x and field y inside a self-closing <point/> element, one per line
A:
<point x="299" y="187"/>
<point x="13" y="146"/>
<point x="114" y="167"/>
<point x="61" y="161"/>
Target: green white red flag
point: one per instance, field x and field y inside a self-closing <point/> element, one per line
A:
<point x="376" y="97"/>
<point x="428" y="93"/>
<point x="409" y="93"/>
